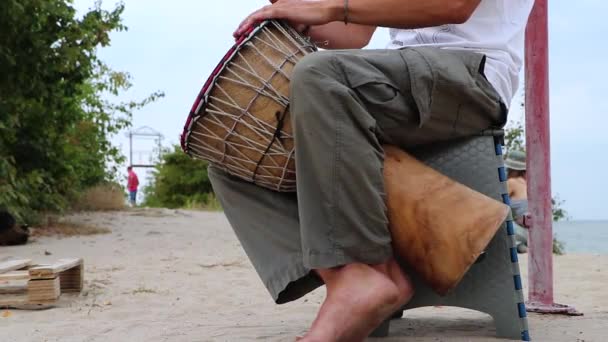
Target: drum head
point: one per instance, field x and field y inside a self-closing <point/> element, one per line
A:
<point x="240" y="120"/>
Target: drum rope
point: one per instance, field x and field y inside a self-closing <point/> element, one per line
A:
<point x="303" y="44"/>
<point x="286" y="54"/>
<point x="251" y="144"/>
<point x="225" y="112"/>
<point x="276" y="136"/>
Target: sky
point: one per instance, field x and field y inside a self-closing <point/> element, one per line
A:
<point x="173" y="46"/>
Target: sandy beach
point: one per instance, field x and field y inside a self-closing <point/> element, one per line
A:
<point x="174" y="275"/>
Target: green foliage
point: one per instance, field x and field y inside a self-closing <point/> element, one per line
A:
<point x="514" y="137"/>
<point x="559" y="213"/>
<point x="55" y="126"/>
<point x="209" y="202"/>
<point x="180" y="182"/>
<point x="559" y="247"/>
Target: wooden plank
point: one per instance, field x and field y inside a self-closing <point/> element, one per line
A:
<point x="43" y="290"/>
<point x="72" y="280"/>
<point x="14" y="299"/>
<point x="49" y="271"/>
<point x="44" y="285"/>
<point x="13" y="289"/>
<point x="22" y="302"/>
<point x="13" y="265"/>
<point x="35" y="294"/>
<point x="15" y="275"/>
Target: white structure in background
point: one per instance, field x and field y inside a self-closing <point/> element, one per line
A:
<point x="152" y="141"/>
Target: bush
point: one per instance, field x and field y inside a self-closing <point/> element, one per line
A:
<point x="103" y="197"/>
<point x="53" y="225"/>
<point x="55" y="122"/>
<point x="180" y="182"/>
<point x="559" y="247"/>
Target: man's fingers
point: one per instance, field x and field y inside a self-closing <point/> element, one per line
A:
<point x="250" y="20"/>
<point x="244" y="26"/>
<point x="266" y="12"/>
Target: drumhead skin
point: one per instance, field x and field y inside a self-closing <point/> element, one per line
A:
<point x="240" y="121"/>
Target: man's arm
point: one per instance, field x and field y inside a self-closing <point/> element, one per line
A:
<point x="339" y="35"/>
<point x="405" y="13"/>
<point x="386" y="13"/>
<point x="336" y="35"/>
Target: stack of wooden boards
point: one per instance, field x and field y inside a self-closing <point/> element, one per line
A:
<point x="23" y="284"/>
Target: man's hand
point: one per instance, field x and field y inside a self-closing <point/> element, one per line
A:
<point x="298" y="12"/>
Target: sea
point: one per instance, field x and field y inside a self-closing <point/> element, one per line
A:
<point x="583" y="237"/>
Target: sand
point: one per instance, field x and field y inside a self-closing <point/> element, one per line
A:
<point x="167" y="275"/>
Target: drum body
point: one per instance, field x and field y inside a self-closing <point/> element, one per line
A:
<point x="240" y="121"/>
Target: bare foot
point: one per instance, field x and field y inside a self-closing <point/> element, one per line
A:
<point x="359" y="298"/>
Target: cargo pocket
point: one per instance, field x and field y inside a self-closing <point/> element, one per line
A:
<point x="484" y="107"/>
<point x="385" y="102"/>
<point x="378" y="78"/>
<point x="424" y="82"/>
<point x="447" y="88"/>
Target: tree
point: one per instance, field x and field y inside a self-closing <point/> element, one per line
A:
<point x="179" y="181"/>
<point x="55" y="126"/>
<point x="514" y="137"/>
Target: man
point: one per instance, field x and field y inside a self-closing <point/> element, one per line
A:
<point x="518" y="191"/>
<point x="132" y="184"/>
<point x="451" y="68"/>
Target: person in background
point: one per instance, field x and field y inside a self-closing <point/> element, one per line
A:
<point x="518" y="191"/>
<point x="132" y="184"/>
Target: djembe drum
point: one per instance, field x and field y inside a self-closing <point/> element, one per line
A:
<point x="240" y="122"/>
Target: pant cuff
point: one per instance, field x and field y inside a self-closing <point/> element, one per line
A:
<point x="335" y="258"/>
<point x="292" y="281"/>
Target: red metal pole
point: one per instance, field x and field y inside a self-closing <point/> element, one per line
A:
<point x="540" y="251"/>
<point x="540" y="257"/>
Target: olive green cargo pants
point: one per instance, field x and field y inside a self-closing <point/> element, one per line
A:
<point x="345" y="105"/>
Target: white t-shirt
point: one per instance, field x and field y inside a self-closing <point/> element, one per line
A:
<point x="496" y="29"/>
